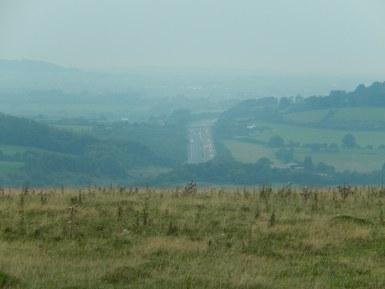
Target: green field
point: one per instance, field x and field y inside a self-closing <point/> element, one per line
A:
<point x="307" y="135"/>
<point x="306" y="117"/>
<point x="217" y="238"/>
<point x="75" y="128"/>
<point x="297" y="130"/>
<point x="147" y="172"/>
<point x="360" y="160"/>
<point x="10" y="166"/>
<point x="12" y="149"/>
<point x="350" y="114"/>
<point x="360" y="114"/>
<point x="248" y="152"/>
<point x="84" y="110"/>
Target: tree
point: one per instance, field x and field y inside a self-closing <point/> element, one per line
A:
<point x="324" y="168"/>
<point x="263" y="163"/>
<point x="349" y="141"/>
<point x="276" y="141"/>
<point x="308" y="164"/>
<point x="333" y="146"/>
<point x="285" y="155"/>
<point x="284" y="102"/>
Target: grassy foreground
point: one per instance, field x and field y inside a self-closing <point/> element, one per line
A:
<point x="178" y="238"/>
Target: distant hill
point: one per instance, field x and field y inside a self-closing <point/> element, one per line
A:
<point x="362" y="96"/>
<point x="31" y="75"/>
<point x="360" y="109"/>
<point x="373" y="95"/>
<point x="25" y="132"/>
<point x="21" y="75"/>
<point x="31" y="66"/>
<point x="39" y="154"/>
<point x="274" y="108"/>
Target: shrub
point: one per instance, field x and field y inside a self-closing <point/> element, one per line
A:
<point x="276" y="141"/>
<point x="126" y="274"/>
<point x="349" y="141"/>
<point x="7" y="281"/>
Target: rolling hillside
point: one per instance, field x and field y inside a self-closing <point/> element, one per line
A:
<point x="310" y="127"/>
<point x="31" y="152"/>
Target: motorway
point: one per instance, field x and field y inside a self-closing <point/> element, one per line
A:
<point x="201" y="144"/>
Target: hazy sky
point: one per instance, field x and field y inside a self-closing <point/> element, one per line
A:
<point x="286" y="36"/>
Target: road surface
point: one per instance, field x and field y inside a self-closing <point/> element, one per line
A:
<point x="201" y="144"/>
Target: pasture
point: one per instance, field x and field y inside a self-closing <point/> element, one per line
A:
<point x="192" y="238"/>
<point x="366" y="157"/>
<point x="336" y="115"/>
<point x="308" y="135"/>
<point x="6" y="166"/>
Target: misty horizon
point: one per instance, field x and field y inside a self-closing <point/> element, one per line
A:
<point x="281" y="38"/>
<point x="192" y="144"/>
<point x="242" y="83"/>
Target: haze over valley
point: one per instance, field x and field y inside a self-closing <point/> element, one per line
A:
<point x="192" y="144"/>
